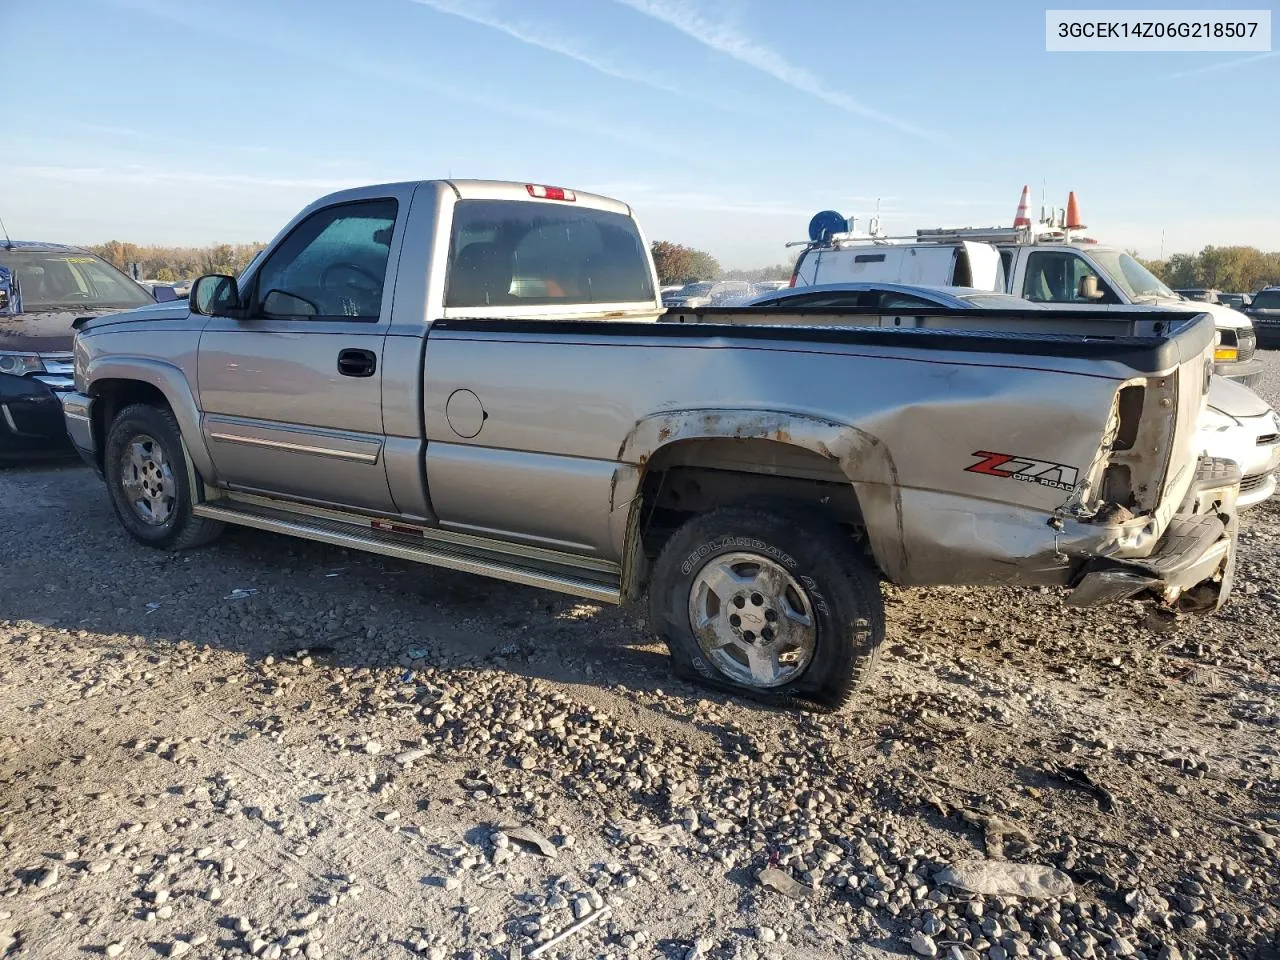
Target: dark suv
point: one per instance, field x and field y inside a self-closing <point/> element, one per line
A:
<point x="44" y="287"/>
<point x="1264" y="311"/>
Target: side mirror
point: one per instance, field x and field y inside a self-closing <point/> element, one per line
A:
<point x="163" y="293"/>
<point x="216" y="295"/>
<point x="1088" y="288"/>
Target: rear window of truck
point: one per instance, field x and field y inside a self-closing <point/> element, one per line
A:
<point x="505" y="252"/>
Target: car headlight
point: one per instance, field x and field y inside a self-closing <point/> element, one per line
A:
<point x="1214" y="419"/>
<point x="20" y="364"/>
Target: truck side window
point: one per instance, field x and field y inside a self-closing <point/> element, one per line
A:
<point x="1054" y="276"/>
<point x="331" y="266"/>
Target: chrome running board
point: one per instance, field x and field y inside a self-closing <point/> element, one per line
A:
<point x="587" y="577"/>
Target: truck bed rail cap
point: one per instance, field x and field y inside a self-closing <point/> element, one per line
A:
<point x="1149" y="355"/>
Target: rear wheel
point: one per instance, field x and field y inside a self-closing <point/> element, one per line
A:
<point x="769" y="602"/>
<point x="146" y="473"/>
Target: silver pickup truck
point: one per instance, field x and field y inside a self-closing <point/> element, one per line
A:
<point x="479" y="376"/>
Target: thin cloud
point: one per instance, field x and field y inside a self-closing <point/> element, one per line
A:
<point x="725" y="39"/>
<point x="642" y="195"/>
<point x="383" y="71"/>
<point x="128" y="133"/>
<point x="551" y="41"/>
<point x="1215" y="67"/>
<point x="148" y="176"/>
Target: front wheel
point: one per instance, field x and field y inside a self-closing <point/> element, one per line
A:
<point x="146" y="473"/>
<point x="769" y="602"/>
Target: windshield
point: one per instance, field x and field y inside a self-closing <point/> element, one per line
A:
<point x="1267" y="300"/>
<point x="71" y="280"/>
<point x="1129" y="275"/>
<point x="696" y="289"/>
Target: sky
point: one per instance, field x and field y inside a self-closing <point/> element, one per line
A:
<point x="726" y="124"/>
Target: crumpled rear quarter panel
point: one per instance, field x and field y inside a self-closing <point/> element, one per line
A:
<point x="905" y="426"/>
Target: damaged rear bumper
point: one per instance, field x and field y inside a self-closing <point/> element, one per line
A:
<point x="1192" y="566"/>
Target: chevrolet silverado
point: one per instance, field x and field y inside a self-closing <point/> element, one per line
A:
<point x="480" y="376"/>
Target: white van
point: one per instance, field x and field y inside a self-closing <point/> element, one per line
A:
<point x="862" y="260"/>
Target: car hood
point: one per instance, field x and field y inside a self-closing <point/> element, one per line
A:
<point x="1236" y="401"/>
<point x="43" y="331"/>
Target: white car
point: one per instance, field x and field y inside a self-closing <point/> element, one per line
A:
<point x="1238" y="425"/>
<point x="690" y="296"/>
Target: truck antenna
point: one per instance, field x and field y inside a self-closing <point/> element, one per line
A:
<point x="8" y="244"/>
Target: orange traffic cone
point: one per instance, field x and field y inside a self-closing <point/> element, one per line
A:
<point x="1020" y="219"/>
<point x="1073" y="213"/>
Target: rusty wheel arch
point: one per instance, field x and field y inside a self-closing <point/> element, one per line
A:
<point x="810" y="449"/>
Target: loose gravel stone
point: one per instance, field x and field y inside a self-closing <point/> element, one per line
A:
<point x="923" y="945"/>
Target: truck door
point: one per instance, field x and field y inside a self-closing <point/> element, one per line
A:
<point x="986" y="272"/>
<point x="292" y="395"/>
<point x="1062" y="276"/>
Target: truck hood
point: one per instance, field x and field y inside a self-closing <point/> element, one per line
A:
<point x="1224" y="317"/>
<point x="172" y="310"/>
<point x="43" y="332"/>
<point x="1236" y="401"/>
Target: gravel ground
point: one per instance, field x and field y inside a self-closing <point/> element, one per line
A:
<point x="273" y="748"/>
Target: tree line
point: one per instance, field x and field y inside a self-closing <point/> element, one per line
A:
<point x="677" y="263"/>
<point x="1229" y="269"/>
<point x="175" y="264"/>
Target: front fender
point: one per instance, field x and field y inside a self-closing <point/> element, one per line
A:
<point x="169" y="379"/>
<point x="862" y="457"/>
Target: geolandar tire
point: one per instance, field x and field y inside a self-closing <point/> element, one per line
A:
<point x="146" y="473"/>
<point x="773" y="603"/>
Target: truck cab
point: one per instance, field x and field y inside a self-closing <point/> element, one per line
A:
<point x="1083" y="273"/>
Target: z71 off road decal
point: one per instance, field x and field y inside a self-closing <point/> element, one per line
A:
<point x="1007" y="465"/>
